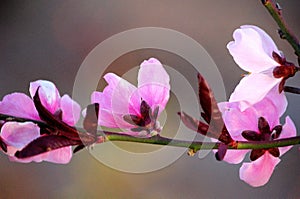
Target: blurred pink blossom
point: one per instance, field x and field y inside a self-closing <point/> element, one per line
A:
<point x="18" y="135"/>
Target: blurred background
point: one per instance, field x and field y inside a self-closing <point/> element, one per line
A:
<point x="50" y="39"/>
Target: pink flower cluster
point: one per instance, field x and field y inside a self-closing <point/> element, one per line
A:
<point x="17" y="135"/>
<point x="256" y="105"/>
<point x="252" y="113"/>
<point x="122" y="105"/>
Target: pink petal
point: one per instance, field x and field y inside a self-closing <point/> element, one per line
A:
<point x="235" y="156"/>
<point x="154" y="83"/>
<point x="258" y="172"/>
<point x="19" y="105"/>
<point x="70" y="109"/>
<point x="288" y="130"/>
<point x="60" y="156"/>
<point x="278" y="99"/>
<point x="237" y="121"/>
<point x="18" y="135"/>
<point x="268" y="44"/>
<point x="107" y="119"/>
<point x="267" y="109"/>
<point x="252" y="49"/>
<point x="96" y="97"/>
<point x="253" y="88"/>
<point x="152" y="72"/>
<point x="48" y="93"/>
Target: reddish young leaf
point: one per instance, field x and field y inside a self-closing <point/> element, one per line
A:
<point x="50" y="119"/>
<point x="193" y="123"/>
<point x="212" y="114"/>
<point x="90" y="122"/>
<point x="44" y="144"/>
<point x="78" y="148"/>
<point x="3" y="145"/>
<point x="61" y="127"/>
<point x="205" y="98"/>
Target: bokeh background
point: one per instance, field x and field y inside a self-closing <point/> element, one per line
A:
<point x="50" y="39"/>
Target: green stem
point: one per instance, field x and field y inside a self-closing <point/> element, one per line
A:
<point x="159" y="140"/>
<point x="284" y="31"/>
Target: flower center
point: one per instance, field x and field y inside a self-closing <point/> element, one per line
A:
<point x="146" y="121"/>
<point x="264" y="134"/>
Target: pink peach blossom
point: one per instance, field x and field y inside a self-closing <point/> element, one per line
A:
<point x="18" y="135"/>
<point x="257" y="172"/>
<point x="121" y="98"/>
<point x="252" y="49"/>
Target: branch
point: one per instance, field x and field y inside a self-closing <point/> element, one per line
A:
<point x="292" y="89"/>
<point x="284" y="31"/>
<point x="159" y="140"/>
<point x="196" y="146"/>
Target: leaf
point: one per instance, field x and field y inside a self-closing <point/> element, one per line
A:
<point x="90" y="122"/>
<point x="3" y="145"/>
<point x="205" y="98"/>
<point x="50" y="119"/>
<point x="193" y="123"/>
<point x="45" y="144"/>
<point x="61" y="127"/>
<point x="212" y="114"/>
<point x="78" y="148"/>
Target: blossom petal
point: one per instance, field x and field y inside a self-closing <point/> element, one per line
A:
<point x="70" y="109"/>
<point x="258" y="172"/>
<point x="237" y="121"/>
<point x="19" y="105"/>
<point x="253" y="88"/>
<point x="154" y="83"/>
<point x="60" y="156"/>
<point x="115" y="102"/>
<point x="267" y="42"/>
<point x="18" y="135"/>
<point x="288" y="130"/>
<point x="278" y="99"/>
<point x="252" y="49"/>
<point x="48" y="93"/>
